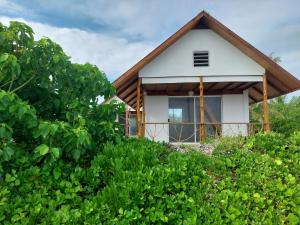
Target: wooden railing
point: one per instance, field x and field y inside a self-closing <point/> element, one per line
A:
<point x="189" y="131"/>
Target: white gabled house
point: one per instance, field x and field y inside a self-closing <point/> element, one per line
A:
<point x="199" y="83"/>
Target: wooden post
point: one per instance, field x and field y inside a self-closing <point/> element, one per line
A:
<point x="266" y="124"/>
<point x="143" y="115"/>
<point x="138" y="115"/>
<point x="201" y="101"/>
<point x="126" y="122"/>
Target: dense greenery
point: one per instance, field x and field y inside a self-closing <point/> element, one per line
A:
<point x="284" y="114"/>
<point x="246" y="181"/>
<point x="48" y="106"/>
<point x="63" y="161"/>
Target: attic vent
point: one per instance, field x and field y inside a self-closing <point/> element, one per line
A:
<point x="201" y="58"/>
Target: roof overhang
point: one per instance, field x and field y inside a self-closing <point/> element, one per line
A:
<point x="280" y="81"/>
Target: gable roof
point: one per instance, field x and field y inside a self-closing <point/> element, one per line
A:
<point x="282" y="81"/>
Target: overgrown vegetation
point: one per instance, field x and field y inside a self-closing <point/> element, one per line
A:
<point x="246" y="181"/>
<point x="48" y="106"/>
<point x="284" y="114"/>
<point x="63" y="161"/>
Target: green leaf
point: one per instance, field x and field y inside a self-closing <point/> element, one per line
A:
<point x="278" y="162"/>
<point x="44" y="129"/>
<point x="7" y="153"/>
<point x="229" y="162"/>
<point x="56" y="172"/>
<point x="3" y="57"/>
<point x="164" y="218"/>
<point x="5" y="131"/>
<point x="293" y="219"/>
<point x="76" y="154"/>
<point x="55" y="152"/>
<point x="42" y="149"/>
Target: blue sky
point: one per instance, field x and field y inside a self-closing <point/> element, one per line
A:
<point x="115" y="34"/>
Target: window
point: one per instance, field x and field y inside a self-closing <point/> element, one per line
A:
<point x="212" y="115"/>
<point x="181" y="116"/>
<point x="184" y="117"/>
<point x="201" y="58"/>
<point x="175" y="115"/>
<point x="132" y="125"/>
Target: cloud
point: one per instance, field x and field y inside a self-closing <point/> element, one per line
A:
<point x="10" y="7"/>
<point x="115" y="34"/>
<point x="113" y="55"/>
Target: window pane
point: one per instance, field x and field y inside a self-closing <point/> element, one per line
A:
<point x="132" y="125"/>
<point x="181" y="110"/>
<point x="122" y="121"/>
<point x="212" y="114"/>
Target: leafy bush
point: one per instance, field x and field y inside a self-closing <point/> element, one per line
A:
<point x="141" y="182"/>
<point x="284" y="114"/>
<point x="49" y="106"/>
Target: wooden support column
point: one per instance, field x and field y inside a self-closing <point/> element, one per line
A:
<point x="201" y="101"/>
<point x="138" y="114"/>
<point x="266" y="124"/>
<point x="126" y="122"/>
<point x="143" y="114"/>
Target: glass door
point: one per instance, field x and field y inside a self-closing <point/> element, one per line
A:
<point x="184" y="117"/>
<point x="212" y="115"/>
<point x="181" y="118"/>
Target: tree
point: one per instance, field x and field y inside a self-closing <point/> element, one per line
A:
<point x="49" y="102"/>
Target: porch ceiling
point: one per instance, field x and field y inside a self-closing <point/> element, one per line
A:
<point x="128" y="94"/>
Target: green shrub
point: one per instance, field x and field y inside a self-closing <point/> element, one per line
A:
<point x="142" y="182"/>
<point x="48" y="105"/>
<point x="284" y="114"/>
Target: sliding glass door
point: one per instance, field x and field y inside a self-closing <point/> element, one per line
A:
<point x="184" y="117"/>
<point x="212" y="115"/>
<point x="181" y="117"/>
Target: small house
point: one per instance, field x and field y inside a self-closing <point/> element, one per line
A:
<point x="199" y="83"/>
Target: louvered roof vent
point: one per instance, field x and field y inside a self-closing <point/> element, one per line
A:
<point x="201" y="58"/>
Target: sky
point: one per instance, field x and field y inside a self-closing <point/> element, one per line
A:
<point x="115" y="34"/>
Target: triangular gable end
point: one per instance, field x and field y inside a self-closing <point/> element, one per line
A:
<point x="280" y="79"/>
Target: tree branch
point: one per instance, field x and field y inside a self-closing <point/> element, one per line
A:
<point x="24" y="84"/>
<point x="3" y="85"/>
<point x="11" y="83"/>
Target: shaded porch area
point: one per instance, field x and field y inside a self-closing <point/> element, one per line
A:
<point x="195" y="111"/>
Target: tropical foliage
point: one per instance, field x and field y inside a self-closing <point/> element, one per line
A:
<point x="64" y="161"/>
<point x="284" y="114"/>
<point x="49" y="106"/>
<point x="246" y="181"/>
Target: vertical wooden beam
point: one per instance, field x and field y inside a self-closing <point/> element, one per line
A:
<point x="126" y="122"/>
<point x="201" y="99"/>
<point x="138" y="115"/>
<point x="266" y="124"/>
<point x="143" y="114"/>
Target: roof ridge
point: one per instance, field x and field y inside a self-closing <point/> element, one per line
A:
<point x="272" y="68"/>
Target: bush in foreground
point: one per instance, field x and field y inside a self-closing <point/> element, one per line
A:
<point x="245" y="181"/>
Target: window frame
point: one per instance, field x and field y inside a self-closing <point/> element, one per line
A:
<point x="195" y="120"/>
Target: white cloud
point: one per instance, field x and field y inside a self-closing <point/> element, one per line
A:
<point x="111" y="54"/>
<point x="270" y="25"/>
<point x="10" y="6"/>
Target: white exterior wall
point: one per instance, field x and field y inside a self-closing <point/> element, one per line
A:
<point x="235" y="109"/>
<point x="175" y="65"/>
<point x="224" y="58"/>
<point x="157" y="111"/>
